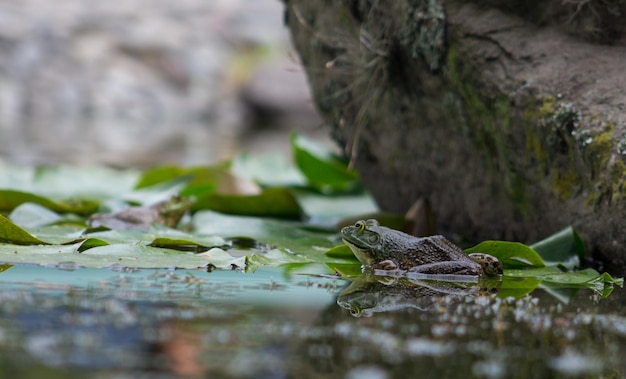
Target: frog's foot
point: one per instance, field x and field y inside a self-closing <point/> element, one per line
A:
<point x="387" y="265"/>
<point x="490" y="264"/>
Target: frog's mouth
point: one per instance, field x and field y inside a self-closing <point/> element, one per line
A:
<point x="361" y="254"/>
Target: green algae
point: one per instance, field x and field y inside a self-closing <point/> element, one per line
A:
<point x="573" y="151"/>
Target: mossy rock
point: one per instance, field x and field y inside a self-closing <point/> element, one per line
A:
<point x="512" y="126"/>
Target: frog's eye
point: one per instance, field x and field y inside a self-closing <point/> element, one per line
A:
<point x="360" y="226"/>
<point x="355" y="311"/>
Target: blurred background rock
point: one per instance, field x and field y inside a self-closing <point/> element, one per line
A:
<point x="142" y="82"/>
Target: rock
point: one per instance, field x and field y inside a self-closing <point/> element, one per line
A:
<point x="509" y="124"/>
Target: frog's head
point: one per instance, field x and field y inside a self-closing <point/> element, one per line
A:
<point x="365" y="241"/>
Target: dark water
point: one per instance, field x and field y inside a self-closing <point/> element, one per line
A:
<point x="91" y="323"/>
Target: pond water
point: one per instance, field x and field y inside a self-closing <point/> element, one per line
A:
<point x="97" y="323"/>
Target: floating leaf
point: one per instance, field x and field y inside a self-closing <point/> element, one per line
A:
<point x="33" y="215"/>
<point x="341" y="251"/>
<point x="91" y="243"/>
<point x="184" y="244"/>
<point x="564" y="247"/>
<point x="11" y="233"/>
<point x="323" y="169"/>
<point x="272" y="202"/>
<point x="160" y="174"/>
<point x="10" y="199"/>
<point x="511" y="254"/>
<point x="517" y="287"/>
<point x="268" y="170"/>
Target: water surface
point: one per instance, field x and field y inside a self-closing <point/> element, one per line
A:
<point x="269" y="324"/>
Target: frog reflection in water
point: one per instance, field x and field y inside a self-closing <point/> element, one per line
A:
<point x="382" y="248"/>
<point x="369" y="294"/>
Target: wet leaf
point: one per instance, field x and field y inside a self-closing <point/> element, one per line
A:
<point x="511" y="254"/>
<point x="272" y="202"/>
<point x="564" y="247"/>
<point x="341" y="251"/>
<point x="11" y="233"/>
<point x="91" y="243"/>
<point x="33" y="215"/>
<point x="517" y="287"/>
<point x="11" y="199"/>
<point x="268" y="170"/>
<point x="186" y="244"/>
<point x="280" y="234"/>
<point x="160" y="174"/>
<point x="324" y="170"/>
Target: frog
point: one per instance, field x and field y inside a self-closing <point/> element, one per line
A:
<point x="381" y="248"/>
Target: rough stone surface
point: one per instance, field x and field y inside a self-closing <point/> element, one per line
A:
<point x="510" y="122"/>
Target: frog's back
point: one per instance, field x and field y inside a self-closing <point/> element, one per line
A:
<point x="431" y="249"/>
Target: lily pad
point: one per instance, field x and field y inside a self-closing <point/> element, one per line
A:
<point x="11" y="233"/>
<point x="564" y="247"/>
<point x="272" y="202"/>
<point x="10" y="199"/>
<point x="511" y="254"/>
<point x="324" y="170"/>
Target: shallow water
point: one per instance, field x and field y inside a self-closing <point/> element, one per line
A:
<point x="269" y="324"/>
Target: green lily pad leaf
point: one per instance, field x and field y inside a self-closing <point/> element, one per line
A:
<point x="517" y="287"/>
<point x="511" y="254"/>
<point x="564" y="247"/>
<point x="31" y="215"/>
<point x="182" y="244"/>
<point x="329" y="210"/>
<point x="91" y="243"/>
<point x="282" y="234"/>
<point x="572" y="277"/>
<point x="11" y="233"/>
<point x="221" y="259"/>
<point x="268" y="170"/>
<point x="346" y="270"/>
<point x="274" y="257"/>
<point x="324" y="170"/>
<point x="272" y="202"/>
<point x="4" y="267"/>
<point x="341" y="251"/>
<point x="160" y="174"/>
<point x="10" y="199"/>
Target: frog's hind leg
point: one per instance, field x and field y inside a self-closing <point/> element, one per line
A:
<point x="451" y="268"/>
<point x="490" y="264"/>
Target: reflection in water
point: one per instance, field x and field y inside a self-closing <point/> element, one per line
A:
<point x="370" y="294"/>
<point x="101" y="323"/>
